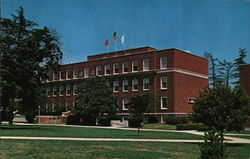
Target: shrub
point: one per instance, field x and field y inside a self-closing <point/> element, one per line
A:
<point x="73" y="120"/>
<point x="134" y="121"/>
<point x="152" y="119"/>
<point x="30" y="116"/>
<point x="199" y="127"/>
<point x="104" y="120"/>
<point x="213" y="148"/>
<point x="173" y="120"/>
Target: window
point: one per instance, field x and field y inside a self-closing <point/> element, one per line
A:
<point x="55" y="76"/>
<point x="92" y="71"/>
<point x="145" y="83"/>
<point x="124" y="67"/>
<point x="68" y="90"/>
<point x="125" y="86"/>
<point x="80" y="73"/>
<point x="125" y="104"/>
<point x="69" y="74"/>
<point x="74" y="89"/>
<point x="48" y="92"/>
<point x="54" y="91"/>
<point x="164" y="82"/>
<point x="75" y="73"/>
<point x="61" y="91"/>
<point x="164" y="103"/>
<point x="98" y="70"/>
<point x="163" y="62"/>
<point x="107" y="69"/>
<point x="53" y="106"/>
<point x="145" y="64"/>
<point x="86" y="72"/>
<point x="135" y="85"/>
<point x="107" y="84"/>
<point x="116" y="68"/>
<point x="191" y="100"/>
<point x="135" y="65"/>
<point x="61" y="75"/>
<point x="115" y="86"/>
<point x="46" y="107"/>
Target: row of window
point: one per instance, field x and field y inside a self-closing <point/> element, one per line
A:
<point x="125" y="87"/>
<point x="61" y="91"/>
<point x="91" y="71"/>
<point x="125" y="101"/>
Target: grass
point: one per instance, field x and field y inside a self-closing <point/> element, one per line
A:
<point x="240" y="136"/>
<point x="159" y="126"/>
<point x="85" y="132"/>
<point x="16" y="149"/>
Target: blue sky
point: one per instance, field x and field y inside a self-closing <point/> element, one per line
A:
<point x="217" y="26"/>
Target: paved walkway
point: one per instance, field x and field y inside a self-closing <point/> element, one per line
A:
<point x="229" y="139"/>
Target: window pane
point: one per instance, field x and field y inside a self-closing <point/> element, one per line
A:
<point x="135" y="65"/>
<point x="116" y="68"/>
<point x="146" y="84"/>
<point x="163" y="62"/>
<point x="146" y="64"/>
<point x="164" y="83"/>
<point x="125" y="67"/>
<point x="135" y="84"/>
<point x="164" y="102"/>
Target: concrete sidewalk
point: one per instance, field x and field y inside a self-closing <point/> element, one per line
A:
<point x="229" y="139"/>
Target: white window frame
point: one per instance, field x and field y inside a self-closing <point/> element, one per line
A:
<point x="144" y="82"/>
<point x="191" y="100"/>
<point x="54" y="76"/>
<point x="67" y="89"/>
<point x="115" y="83"/>
<point x="114" y="66"/>
<point x="106" y="67"/>
<point x="60" y="76"/>
<point x="61" y="91"/>
<point x="98" y="70"/>
<point x="123" y="67"/>
<point x="86" y="72"/>
<point x="145" y="67"/>
<point x="54" y="90"/>
<point x="53" y="107"/>
<point x="123" y="85"/>
<point x="162" y="103"/>
<point x="161" y="63"/>
<point x="123" y="104"/>
<point x="162" y="88"/>
<point x="75" y="89"/>
<point x="75" y="73"/>
<point x="133" y="84"/>
<point x="133" y="64"/>
<point x="48" y="92"/>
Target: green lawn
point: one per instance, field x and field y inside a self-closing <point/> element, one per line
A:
<point x="42" y="149"/>
<point x="61" y="131"/>
<point x="240" y="136"/>
<point x="159" y="126"/>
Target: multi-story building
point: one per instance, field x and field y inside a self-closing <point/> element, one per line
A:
<point x="245" y="77"/>
<point x="174" y="77"/>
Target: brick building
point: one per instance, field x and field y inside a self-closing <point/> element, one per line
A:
<point x="175" y="78"/>
<point x="245" y="77"/>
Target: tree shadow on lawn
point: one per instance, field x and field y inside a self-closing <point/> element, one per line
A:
<point x="19" y="127"/>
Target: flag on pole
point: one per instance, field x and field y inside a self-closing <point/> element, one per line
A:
<point x="114" y="36"/>
<point x="106" y="43"/>
<point x="123" y="39"/>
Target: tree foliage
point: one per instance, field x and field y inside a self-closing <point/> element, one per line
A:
<point x="221" y="108"/>
<point x="26" y="53"/>
<point x="238" y="61"/>
<point x="95" y="99"/>
<point x="138" y="106"/>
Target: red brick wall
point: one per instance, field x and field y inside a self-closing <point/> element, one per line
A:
<point x="186" y="87"/>
<point x="245" y="77"/>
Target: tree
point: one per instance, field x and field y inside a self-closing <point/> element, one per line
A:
<point x="226" y="70"/>
<point x="213" y="69"/>
<point x="238" y="61"/>
<point x="138" y="106"/>
<point x="221" y="108"/>
<point x="26" y="54"/>
<point x="95" y="99"/>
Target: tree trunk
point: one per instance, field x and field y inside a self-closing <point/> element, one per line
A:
<point x="138" y="132"/>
